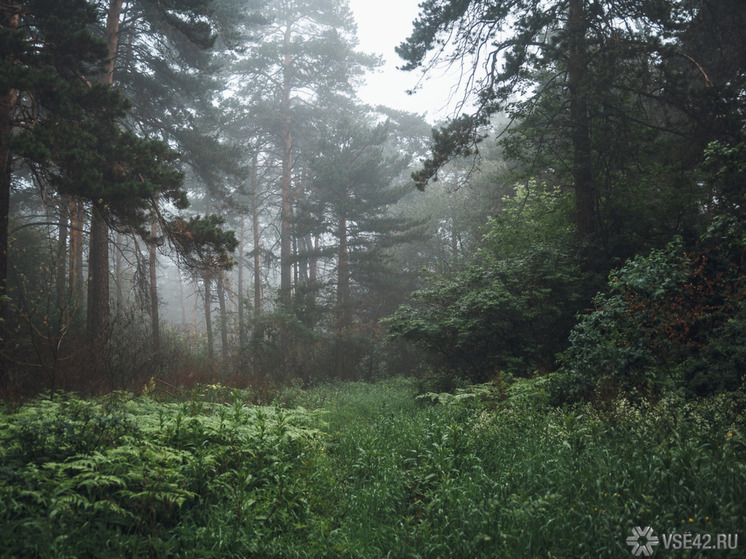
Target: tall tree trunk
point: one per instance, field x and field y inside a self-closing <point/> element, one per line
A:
<point x="207" y="278"/>
<point x="9" y="13"/>
<point x="98" y="261"/>
<point x="313" y="267"/>
<point x="75" y="268"/>
<point x="182" y="298"/>
<point x="61" y="259"/>
<point x="585" y="194"/>
<point x="208" y="316"/>
<point x="343" y="277"/>
<point x="257" y="240"/>
<point x="343" y="296"/>
<point x="286" y="181"/>
<point x="239" y="289"/>
<point x="153" y="265"/>
<point x="118" y="273"/>
<point x="195" y="303"/>
<point x="314" y="263"/>
<point x="98" y="292"/>
<point x="223" y="313"/>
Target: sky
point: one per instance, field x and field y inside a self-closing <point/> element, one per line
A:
<point x="383" y="25"/>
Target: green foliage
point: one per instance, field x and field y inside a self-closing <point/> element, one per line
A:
<point x="486" y="476"/>
<point x="282" y="347"/>
<point x="202" y="243"/>
<point x="513" y="308"/>
<point x="725" y="169"/>
<point x="720" y="366"/>
<point x="76" y="144"/>
<point x="133" y="477"/>
<point x="491" y="471"/>
<point x="44" y="319"/>
<point x="660" y="313"/>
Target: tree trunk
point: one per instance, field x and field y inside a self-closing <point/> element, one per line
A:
<point x="286" y="181"/>
<point x="239" y="289"/>
<point x="314" y="264"/>
<point x="153" y="265"/>
<point x="111" y="38"/>
<point x="343" y="278"/>
<point x="257" y="240"/>
<point x="182" y="298"/>
<point x="76" y="279"/>
<point x="585" y="195"/>
<point x="195" y="303"/>
<point x="98" y="292"/>
<point x="223" y="314"/>
<point x="98" y="262"/>
<point x="344" y="317"/>
<point x="9" y="13"/>
<point x="454" y="242"/>
<point x="118" y="273"/>
<point x="208" y="316"/>
<point x="61" y="259"/>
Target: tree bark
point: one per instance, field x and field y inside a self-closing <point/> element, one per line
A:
<point x="98" y="292"/>
<point x="208" y="316"/>
<point x="239" y="290"/>
<point x="119" y="273"/>
<point x="585" y="194"/>
<point x="9" y="14"/>
<point x="223" y="314"/>
<point x="75" y="268"/>
<point x="257" y="240"/>
<point x="182" y="298"/>
<point x="343" y="318"/>
<point x="286" y="181"/>
<point x="343" y="277"/>
<point x="314" y="264"/>
<point x="98" y="261"/>
<point x="153" y="265"/>
<point x="61" y="260"/>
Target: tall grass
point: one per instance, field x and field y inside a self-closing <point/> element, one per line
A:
<point x="365" y="470"/>
<point x="480" y="478"/>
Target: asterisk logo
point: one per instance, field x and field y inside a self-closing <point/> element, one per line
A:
<point x="642" y="541"/>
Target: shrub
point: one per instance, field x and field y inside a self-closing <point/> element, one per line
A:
<point x="661" y="314"/>
<point x="510" y="309"/>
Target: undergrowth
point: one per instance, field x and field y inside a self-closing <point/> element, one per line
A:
<point x="365" y="470"/>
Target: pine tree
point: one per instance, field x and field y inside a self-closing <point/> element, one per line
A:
<point x="53" y="118"/>
<point x="354" y="176"/>
<point x="305" y="59"/>
<point x="595" y="80"/>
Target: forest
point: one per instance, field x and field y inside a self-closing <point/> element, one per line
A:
<point x="245" y="313"/>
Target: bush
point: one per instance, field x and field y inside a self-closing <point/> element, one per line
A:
<point x="491" y="471"/>
<point x="136" y="478"/>
<point x="512" y="308"/>
<point x="668" y="320"/>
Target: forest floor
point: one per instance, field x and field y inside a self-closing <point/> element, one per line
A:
<point x="370" y="470"/>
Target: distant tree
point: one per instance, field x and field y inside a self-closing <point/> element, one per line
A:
<point x="305" y="59"/>
<point x="354" y="175"/>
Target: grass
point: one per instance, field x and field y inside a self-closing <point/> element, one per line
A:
<point x="365" y="470"/>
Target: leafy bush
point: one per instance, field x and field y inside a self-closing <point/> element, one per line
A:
<point x="661" y="313"/>
<point x="721" y="365"/>
<point x="511" y="309"/>
<point x="491" y="471"/>
<point x="134" y="478"/>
